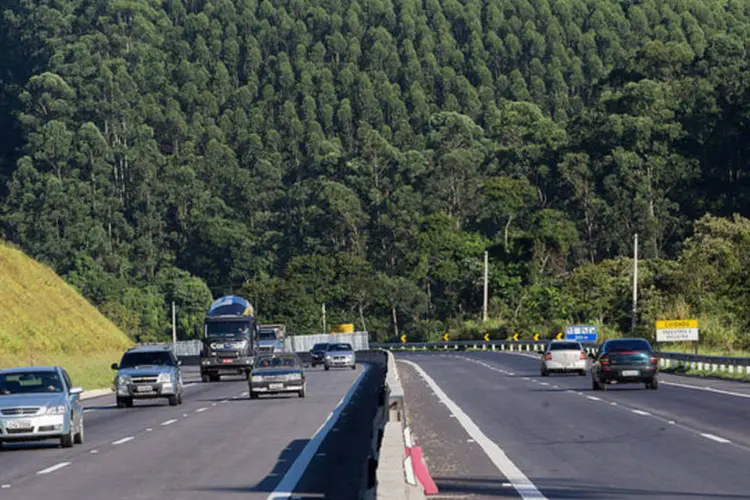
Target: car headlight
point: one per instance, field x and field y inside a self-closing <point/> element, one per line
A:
<point x="256" y="378"/>
<point x="123" y="380"/>
<point x="328" y="356"/>
<point x="56" y="410"/>
<point x="295" y="376"/>
<point x="164" y="377"/>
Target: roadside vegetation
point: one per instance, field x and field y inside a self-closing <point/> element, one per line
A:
<point x="365" y="155"/>
<point x="44" y="321"/>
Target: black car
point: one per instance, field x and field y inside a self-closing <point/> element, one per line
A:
<point x="318" y="352"/>
<point x="625" y="361"/>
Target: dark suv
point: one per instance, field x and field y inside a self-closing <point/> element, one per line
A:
<point x="317" y="353"/>
<point x="625" y="361"/>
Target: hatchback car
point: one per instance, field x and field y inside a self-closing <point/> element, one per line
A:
<point x="39" y="403"/>
<point x="148" y="373"/>
<point x="625" y="361"/>
<point x="340" y="355"/>
<point x="564" y="356"/>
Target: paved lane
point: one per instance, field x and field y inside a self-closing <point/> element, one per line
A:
<point x="219" y="444"/>
<point x="570" y="442"/>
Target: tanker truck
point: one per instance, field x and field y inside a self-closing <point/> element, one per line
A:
<point x="229" y="334"/>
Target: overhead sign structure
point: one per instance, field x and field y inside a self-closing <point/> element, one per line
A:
<point x="581" y="333"/>
<point x="446" y="337"/>
<point x="677" y="330"/>
<point x="403" y="338"/>
<point x="486" y="337"/>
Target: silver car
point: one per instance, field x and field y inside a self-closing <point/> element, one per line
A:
<point x="38" y="403"/>
<point x="564" y="356"/>
<point x="148" y="373"/>
<point x="339" y="355"/>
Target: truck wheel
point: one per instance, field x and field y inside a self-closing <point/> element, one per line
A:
<point x="214" y="377"/>
<point x="204" y="378"/>
<point x="253" y="395"/>
<point x="179" y="398"/>
<point x="172" y="400"/>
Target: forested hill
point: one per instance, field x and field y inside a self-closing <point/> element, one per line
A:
<point x="366" y="154"/>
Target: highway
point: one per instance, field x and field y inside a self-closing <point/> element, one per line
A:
<point x="489" y="421"/>
<point x="218" y="444"/>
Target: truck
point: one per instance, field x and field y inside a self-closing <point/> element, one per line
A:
<point x="229" y="339"/>
<point x="271" y="338"/>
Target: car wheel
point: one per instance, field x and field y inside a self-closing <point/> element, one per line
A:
<point x="545" y="373"/>
<point x="121" y="403"/>
<point x="354" y="367"/>
<point x="205" y="378"/>
<point x="78" y="438"/>
<point x="66" y="441"/>
<point x="327" y="367"/>
<point x="124" y="402"/>
<point x="253" y="395"/>
<point x="595" y="385"/>
<point x="653" y="385"/>
<point x="172" y="400"/>
<point x="214" y="378"/>
<point x="303" y="391"/>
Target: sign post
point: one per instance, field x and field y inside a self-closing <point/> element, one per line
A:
<point x="681" y="330"/>
<point x="581" y="333"/>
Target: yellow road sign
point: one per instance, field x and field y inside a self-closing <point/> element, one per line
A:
<point x="445" y="337"/>
<point x="486" y="337"/>
<point x="515" y="336"/>
<point x="678" y="323"/>
<point x="403" y="338"/>
<point x="560" y="336"/>
<point x="536" y="336"/>
<point x="343" y="328"/>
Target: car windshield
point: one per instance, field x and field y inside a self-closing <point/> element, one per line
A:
<point x="320" y="347"/>
<point x="267" y="336"/>
<point x="30" y="382"/>
<point x="227" y="329"/>
<point x="564" y="346"/>
<point x="628" y="345"/>
<point x="276" y="362"/>
<point x="133" y="359"/>
<point x="340" y="347"/>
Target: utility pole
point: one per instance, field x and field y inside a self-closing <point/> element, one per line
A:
<point x="324" y="318"/>
<point x="635" y="284"/>
<point x="484" y="315"/>
<point x="174" y="326"/>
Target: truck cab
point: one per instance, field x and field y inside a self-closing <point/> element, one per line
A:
<point x="229" y="333"/>
<point x="270" y="338"/>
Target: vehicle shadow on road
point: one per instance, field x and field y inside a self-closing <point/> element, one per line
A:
<point x="562" y="488"/>
<point x="269" y="483"/>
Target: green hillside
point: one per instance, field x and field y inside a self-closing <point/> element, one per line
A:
<point x="365" y="155"/>
<point x="44" y="321"/>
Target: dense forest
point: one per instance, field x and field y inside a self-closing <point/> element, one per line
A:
<point x="365" y="155"/>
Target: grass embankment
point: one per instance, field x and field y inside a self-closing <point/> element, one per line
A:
<point x="44" y="321"/>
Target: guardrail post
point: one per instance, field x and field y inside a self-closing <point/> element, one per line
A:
<point x="484" y="347"/>
<point x="493" y="347"/>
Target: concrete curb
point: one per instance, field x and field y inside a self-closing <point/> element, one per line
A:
<point x="95" y="393"/>
<point x="392" y="474"/>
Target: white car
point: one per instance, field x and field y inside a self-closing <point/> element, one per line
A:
<point x="564" y="356"/>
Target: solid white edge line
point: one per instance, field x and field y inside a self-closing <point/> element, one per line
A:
<point x="714" y="437"/>
<point x="169" y="422"/>
<point x="53" y="468"/>
<point x="518" y="479"/>
<point x="285" y="488"/>
<point x="706" y="389"/>
<point x="123" y="440"/>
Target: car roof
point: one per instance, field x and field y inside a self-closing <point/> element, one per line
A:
<point x="560" y="341"/>
<point x="628" y="339"/>
<point x="149" y="348"/>
<point x="24" y="369"/>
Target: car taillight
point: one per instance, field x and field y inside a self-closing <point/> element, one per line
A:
<point x="654" y="360"/>
<point x="548" y="357"/>
<point x="604" y="359"/>
<point x="582" y="357"/>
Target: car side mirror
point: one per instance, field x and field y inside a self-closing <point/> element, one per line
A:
<point x="114" y="366"/>
<point x="76" y="390"/>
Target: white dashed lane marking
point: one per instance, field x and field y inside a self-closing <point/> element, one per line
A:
<point x="123" y="440"/>
<point x="53" y="468"/>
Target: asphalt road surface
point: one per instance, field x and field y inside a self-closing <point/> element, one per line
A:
<point x="489" y="421"/>
<point x="219" y="444"/>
